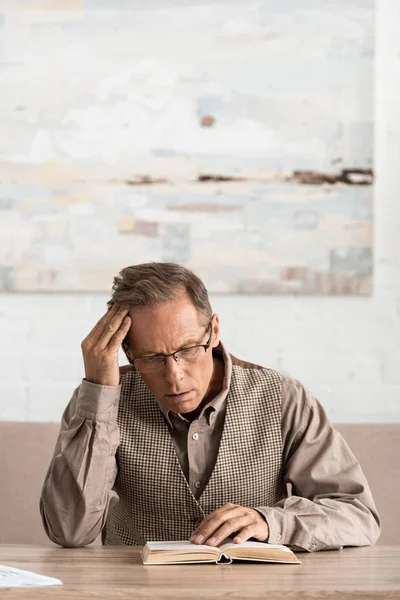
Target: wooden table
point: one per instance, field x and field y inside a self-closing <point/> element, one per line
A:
<point x="115" y="572"/>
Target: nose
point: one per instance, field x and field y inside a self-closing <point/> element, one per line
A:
<point x="173" y="371"/>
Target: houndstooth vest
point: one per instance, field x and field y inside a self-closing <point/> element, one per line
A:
<point x="155" y="500"/>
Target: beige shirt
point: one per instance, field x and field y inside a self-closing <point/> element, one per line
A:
<point x="329" y="503"/>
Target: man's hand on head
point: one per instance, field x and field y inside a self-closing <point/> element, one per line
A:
<point x="231" y="519"/>
<point x="100" y="347"/>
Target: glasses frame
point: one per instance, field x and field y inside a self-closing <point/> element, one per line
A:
<point x="173" y="354"/>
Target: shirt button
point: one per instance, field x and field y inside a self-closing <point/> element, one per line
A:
<point x="195" y="436"/>
<point x="197" y="484"/>
<point x="278" y="537"/>
<point x="313" y="546"/>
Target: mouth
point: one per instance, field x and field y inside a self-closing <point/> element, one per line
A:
<point x="178" y="397"/>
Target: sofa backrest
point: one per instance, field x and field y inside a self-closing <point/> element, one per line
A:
<point x="25" y="453"/>
<point x="26" y="450"/>
<point x="377" y="447"/>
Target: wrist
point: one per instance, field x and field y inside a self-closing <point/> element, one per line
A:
<point x="101" y="378"/>
<point x="98" y="402"/>
<point x="102" y="382"/>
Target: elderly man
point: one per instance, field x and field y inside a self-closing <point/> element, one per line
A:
<point x="188" y="442"/>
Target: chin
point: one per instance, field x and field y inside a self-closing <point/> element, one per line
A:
<point x="182" y="406"/>
<point x="188" y="407"/>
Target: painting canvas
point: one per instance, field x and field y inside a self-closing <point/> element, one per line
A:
<point x="234" y="137"/>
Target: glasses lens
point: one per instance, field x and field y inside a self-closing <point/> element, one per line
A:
<point x="188" y="355"/>
<point x="153" y="364"/>
<point x="150" y="364"/>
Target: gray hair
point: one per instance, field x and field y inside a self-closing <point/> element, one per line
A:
<point x="154" y="283"/>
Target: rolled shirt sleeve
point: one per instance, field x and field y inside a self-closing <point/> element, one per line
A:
<point x="329" y="503"/>
<point x="77" y="492"/>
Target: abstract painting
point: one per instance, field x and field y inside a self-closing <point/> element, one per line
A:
<point x="234" y="137"/>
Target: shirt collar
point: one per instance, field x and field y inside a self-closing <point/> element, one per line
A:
<point x="216" y="404"/>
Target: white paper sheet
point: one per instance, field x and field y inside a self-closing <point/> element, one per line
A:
<point x="10" y="577"/>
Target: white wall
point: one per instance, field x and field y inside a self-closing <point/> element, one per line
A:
<point x="346" y="350"/>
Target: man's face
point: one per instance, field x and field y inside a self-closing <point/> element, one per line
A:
<point x="166" y="328"/>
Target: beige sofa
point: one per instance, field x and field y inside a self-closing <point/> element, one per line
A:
<point x="26" y="449"/>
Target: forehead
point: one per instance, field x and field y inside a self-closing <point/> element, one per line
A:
<point x="165" y="327"/>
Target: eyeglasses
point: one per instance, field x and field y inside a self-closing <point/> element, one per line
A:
<point x="184" y="357"/>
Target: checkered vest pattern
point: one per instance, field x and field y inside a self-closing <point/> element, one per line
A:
<point x="155" y="500"/>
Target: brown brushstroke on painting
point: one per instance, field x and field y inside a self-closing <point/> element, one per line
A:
<point x="206" y="207"/>
<point x="218" y="178"/>
<point x="47" y="275"/>
<point x="324" y="282"/>
<point x="207" y="121"/>
<point x="294" y="274"/>
<point x="347" y="176"/>
<point x="131" y="226"/>
<point x="146" y="180"/>
<point x="146" y="228"/>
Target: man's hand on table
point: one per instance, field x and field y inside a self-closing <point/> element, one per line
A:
<point x="244" y="522"/>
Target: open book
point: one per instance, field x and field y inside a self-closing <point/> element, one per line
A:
<point x="176" y="553"/>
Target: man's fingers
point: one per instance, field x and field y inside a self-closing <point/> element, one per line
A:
<point x="214" y="521"/>
<point x="248" y="532"/>
<point x="101" y="360"/>
<point x="120" y="334"/>
<point x="230" y="526"/>
<point x="217" y="513"/>
<point x="241" y="521"/>
<point x="98" y="329"/>
<point x="111" y="327"/>
<point x="106" y="318"/>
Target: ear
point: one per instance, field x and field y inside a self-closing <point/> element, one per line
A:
<point x="216" y="330"/>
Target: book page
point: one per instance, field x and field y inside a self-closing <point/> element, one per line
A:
<point x="181" y="546"/>
<point x="259" y="545"/>
<point x="10" y="577"/>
